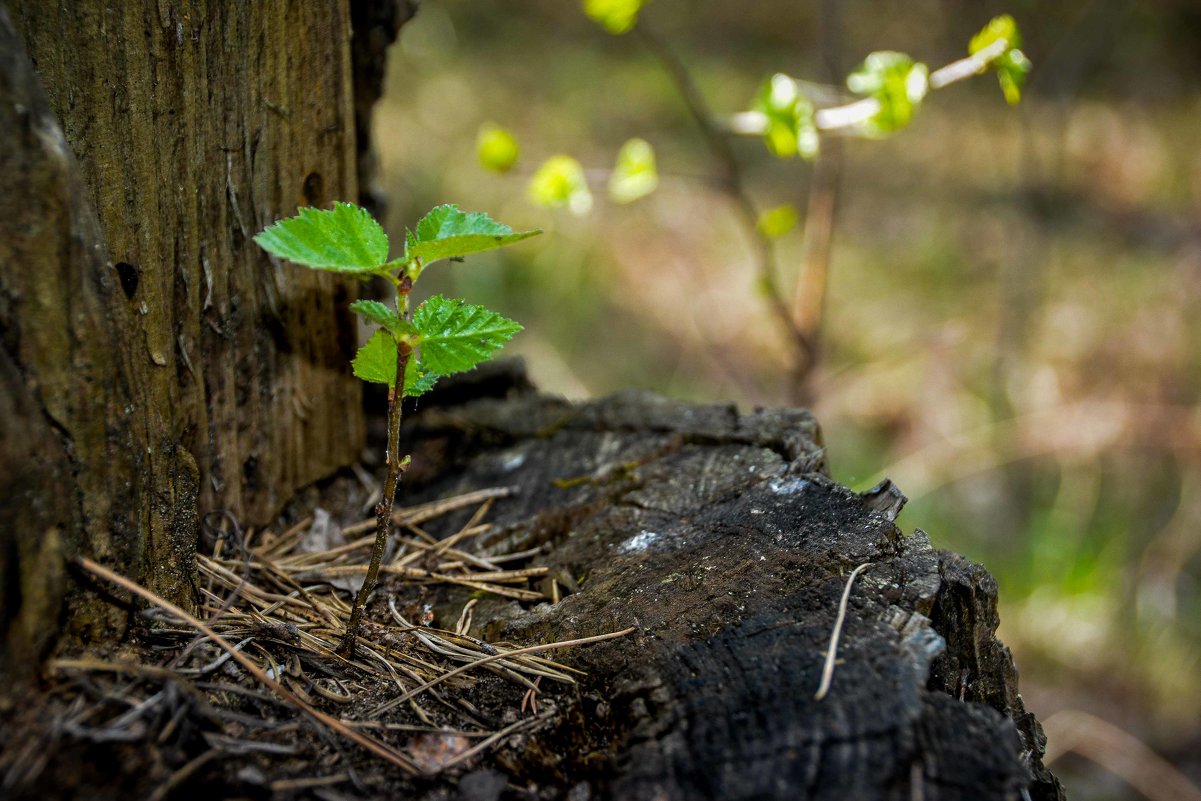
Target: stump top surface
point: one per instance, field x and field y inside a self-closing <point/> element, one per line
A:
<point x="720" y="535"/>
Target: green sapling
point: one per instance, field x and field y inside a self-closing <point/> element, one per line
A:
<point x="440" y="337"/>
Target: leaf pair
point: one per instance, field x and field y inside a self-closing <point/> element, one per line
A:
<point x="347" y="239"/>
<point x="562" y="183"/>
<point x="451" y="336"/>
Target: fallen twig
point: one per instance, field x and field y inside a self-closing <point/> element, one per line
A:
<point x="828" y="668"/>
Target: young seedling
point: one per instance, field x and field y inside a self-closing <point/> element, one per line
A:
<point x="413" y="348"/>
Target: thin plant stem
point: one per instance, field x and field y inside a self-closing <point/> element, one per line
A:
<point x="383" y="510"/>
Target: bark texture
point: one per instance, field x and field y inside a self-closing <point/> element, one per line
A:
<point x="720" y="535"/>
<point x="72" y="457"/>
<point x="161" y="364"/>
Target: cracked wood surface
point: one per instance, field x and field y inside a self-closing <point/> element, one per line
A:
<point x="720" y="535"/>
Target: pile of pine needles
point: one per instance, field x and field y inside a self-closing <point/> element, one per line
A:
<point x="255" y="670"/>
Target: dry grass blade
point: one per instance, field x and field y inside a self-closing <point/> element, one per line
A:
<point x="516" y="652"/>
<point x="428" y="511"/>
<point x="832" y="652"/>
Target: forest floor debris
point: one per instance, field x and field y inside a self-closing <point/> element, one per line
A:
<point x="253" y="680"/>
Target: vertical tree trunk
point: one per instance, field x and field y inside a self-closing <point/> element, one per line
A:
<point x="155" y="363"/>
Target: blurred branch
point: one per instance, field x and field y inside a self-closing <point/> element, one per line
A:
<point x="845" y="117"/>
<point x="809" y="296"/>
<point x="1118" y="751"/>
<point x="732" y="185"/>
<point x="803" y="320"/>
<point x="1169" y="553"/>
<point x="809" y="299"/>
<point x="1086" y="428"/>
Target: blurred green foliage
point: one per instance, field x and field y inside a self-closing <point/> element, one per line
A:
<point x="560" y="183"/>
<point x="1012" y="66"/>
<point x="776" y="222"/>
<point x="897" y="83"/>
<point x="634" y="175"/>
<point x="496" y="148"/>
<point x="617" y="16"/>
<point x="790" y="127"/>
<point x="1011" y="330"/>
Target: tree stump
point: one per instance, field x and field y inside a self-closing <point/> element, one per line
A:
<point x="721" y="536"/>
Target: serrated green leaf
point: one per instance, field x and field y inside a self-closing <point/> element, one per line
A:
<point x="774" y="223"/>
<point x="344" y="239"/>
<point x="560" y="182"/>
<point x="447" y="233"/>
<point x="496" y="148"/>
<point x="897" y="82"/>
<point x="616" y="16"/>
<point x="790" y="127"/>
<point x="634" y="174"/>
<point x="418" y="380"/>
<point x="1011" y="65"/>
<point x="376" y="361"/>
<point x="456" y="336"/>
<point x="383" y="315"/>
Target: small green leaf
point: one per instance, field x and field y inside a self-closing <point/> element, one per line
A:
<point x="1012" y="69"/>
<point x="447" y="233"/>
<point x="418" y="380"/>
<point x="774" y="223"/>
<point x="897" y="82"/>
<point x="634" y="175"/>
<point x="345" y="239"/>
<point x="456" y="336"/>
<point x="376" y="361"/>
<point x="790" y="127"/>
<point x="560" y="182"/>
<point x="496" y="148"/>
<point x="617" y="16"/>
<point x="1002" y="27"/>
<point x="1011" y="65"/>
<point x="383" y="315"/>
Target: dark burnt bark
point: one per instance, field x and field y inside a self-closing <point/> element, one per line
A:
<point x="722" y="538"/>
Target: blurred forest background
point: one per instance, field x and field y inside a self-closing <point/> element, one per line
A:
<point x="1012" y="327"/>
